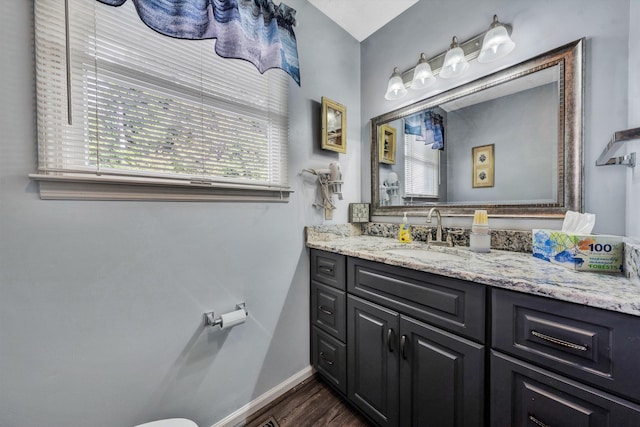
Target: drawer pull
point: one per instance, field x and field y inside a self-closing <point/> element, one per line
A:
<point x="537" y="421"/>
<point x="558" y="341"/>
<point x="329" y="362"/>
<point x="325" y="310"/>
<point x="403" y="347"/>
<point x="328" y="270"/>
<point x="389" y="340"/>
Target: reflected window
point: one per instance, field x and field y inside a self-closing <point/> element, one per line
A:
<point x="421" y="168"/>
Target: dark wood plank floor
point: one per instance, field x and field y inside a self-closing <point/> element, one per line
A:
<point x="310" y="403"/>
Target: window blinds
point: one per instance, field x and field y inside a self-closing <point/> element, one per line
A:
<point x="116" y="98"/>
<point x="421" y="168"/>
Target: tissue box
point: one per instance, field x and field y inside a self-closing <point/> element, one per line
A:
<point x="582" y="252"/>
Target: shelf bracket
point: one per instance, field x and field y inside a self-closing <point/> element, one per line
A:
<point x="617" y="141"/>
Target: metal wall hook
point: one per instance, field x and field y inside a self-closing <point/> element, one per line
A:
<point x="618" y="139"/>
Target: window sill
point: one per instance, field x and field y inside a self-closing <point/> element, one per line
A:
<point x="56" y="187"/>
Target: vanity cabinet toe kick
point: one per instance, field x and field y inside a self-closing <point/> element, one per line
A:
<point x="409" y="348"/>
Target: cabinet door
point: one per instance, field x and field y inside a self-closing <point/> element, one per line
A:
<point x="441" y="377"/>
<point x="372" y="361"/>
<point x="524" y="395"/>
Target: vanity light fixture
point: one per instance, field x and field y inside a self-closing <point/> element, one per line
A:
<point x="422" y="75"/>
<point x="490" y="45"/>
<point x="395" y="88"/>
<point x="454" y="61"/>
<point x="496" y="44"/>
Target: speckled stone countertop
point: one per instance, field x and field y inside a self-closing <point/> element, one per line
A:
<point x="502" y="269"/>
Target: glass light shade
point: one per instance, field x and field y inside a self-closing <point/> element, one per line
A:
<point x="454" y="62"/>
<point x="496" y="44"/>
<point x="422" y="75"/>
<point x="395" y="88"/>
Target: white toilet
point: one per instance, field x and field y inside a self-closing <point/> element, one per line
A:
<point x="172" y="422"/>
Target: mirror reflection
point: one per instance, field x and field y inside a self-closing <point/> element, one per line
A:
<point x="493" y="143"/>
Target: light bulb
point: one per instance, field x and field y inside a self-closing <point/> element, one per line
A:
<point x="422" y="74"/>
<point x="454" y="61"/>
<point x="395" y="88"/>
<point x="496" y="43"/>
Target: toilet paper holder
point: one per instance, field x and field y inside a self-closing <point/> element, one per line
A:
<point x="210" y="319"/>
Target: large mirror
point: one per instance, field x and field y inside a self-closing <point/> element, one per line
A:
<point x="510" y="142"/>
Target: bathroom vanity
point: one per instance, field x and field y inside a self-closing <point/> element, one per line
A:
<point x="419" y="335"/>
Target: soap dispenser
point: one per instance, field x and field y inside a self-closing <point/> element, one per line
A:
<point x="404" y="233"/>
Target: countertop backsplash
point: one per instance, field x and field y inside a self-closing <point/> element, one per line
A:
<point x="632" y="260"/>
<point x="506" y="240"/>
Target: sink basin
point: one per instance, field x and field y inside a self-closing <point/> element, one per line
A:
<point x="429" y="254"/>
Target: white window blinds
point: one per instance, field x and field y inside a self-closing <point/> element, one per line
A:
<point x="421" y="168"/>
<point x="118" y="100"/>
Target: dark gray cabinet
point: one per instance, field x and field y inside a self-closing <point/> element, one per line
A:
<point x="328" y="310"/>
<point x="524" y="395"/>
<point x="405" y="372"/>
<point x="409" y="348"/>
<point x="372" y="362"/>
<point x="415" y="346"/>
<point x="560" y="364"/>
<point x="441" y="377"/>
<point x="454" y="305"/>
<point x="329" y="356"/>
<point x="328" y="318"/>
<point x="594" y="346"/>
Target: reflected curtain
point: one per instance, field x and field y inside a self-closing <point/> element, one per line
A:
<point x="254" y="30"/>
<point x="428" y="127"/>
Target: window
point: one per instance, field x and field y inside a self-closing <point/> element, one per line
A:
<point x="421" y="168"/>
<point x="138" y="115"/>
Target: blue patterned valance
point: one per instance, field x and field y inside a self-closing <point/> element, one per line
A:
<point x="428" y="127"/>
<point x="253" y="30"/>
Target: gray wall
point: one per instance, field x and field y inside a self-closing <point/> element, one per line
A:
<point x="538" y="27"/>
<point x="101" y="302"/>
<point x="633" y="175"/>
<point x="524" y="129"/>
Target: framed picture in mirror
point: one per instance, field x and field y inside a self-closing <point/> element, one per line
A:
<point x="387" y="144"/>
<point x="334" y="126"/>
<point x="483" y="166"/>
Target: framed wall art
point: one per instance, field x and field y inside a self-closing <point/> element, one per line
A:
<point x="334" y="126"/>
<point x="387" y="146"/>
<point x="483" y="166"/>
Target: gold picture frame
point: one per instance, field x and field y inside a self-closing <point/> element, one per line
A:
<point x="387" y="153"/>
<point x="334" y="126"/>
<point x="483" y="166"/>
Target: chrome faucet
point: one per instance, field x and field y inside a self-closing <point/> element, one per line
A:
<point x="438" y="240"/>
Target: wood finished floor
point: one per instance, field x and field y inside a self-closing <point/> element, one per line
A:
<point x="310" y="403"/>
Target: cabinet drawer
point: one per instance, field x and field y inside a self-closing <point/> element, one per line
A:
<point x="328" y="268"/>
<point x="525" y="395"/>
<point x="329" y="356"/>
<point x="452" y="304"/>
<point x="596" y="346"/>
<point x="328" y="306"/>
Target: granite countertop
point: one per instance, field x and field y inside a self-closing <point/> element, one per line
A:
<point x="502" y="269"/>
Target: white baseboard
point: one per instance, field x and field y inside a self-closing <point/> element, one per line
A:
<point x="266" y="398"/>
